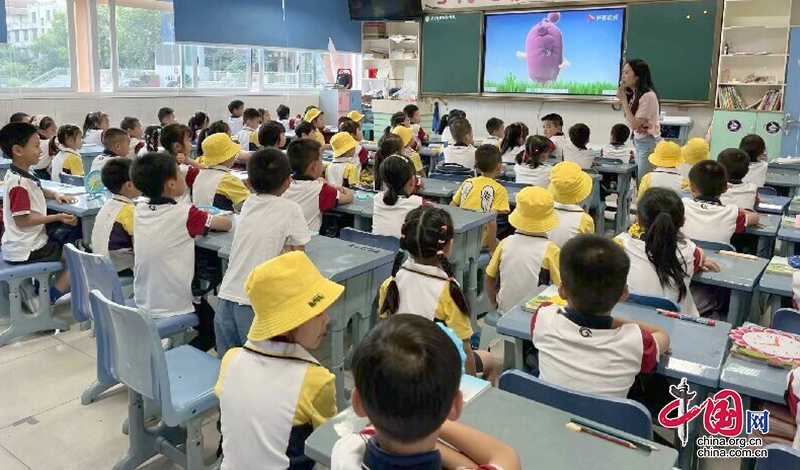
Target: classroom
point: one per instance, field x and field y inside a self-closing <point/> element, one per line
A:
<point x="406" y="234"/>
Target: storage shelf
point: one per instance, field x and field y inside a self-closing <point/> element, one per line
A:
<point x="738" y="56"/>
<point x="731" y="28"/>
<point x="753" y="84"/>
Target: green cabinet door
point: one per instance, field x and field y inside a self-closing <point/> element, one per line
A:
<point x="770" y="126"/>
<point x="729" y="127"/>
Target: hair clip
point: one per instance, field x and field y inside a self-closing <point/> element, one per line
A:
<point x="443" y="227"/>
<point x="440" y="253"/>
<point x="442" y="242"/>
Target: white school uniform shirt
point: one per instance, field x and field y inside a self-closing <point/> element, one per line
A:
<point x="622" y="152"/>
<point x="793" y="401"/>
<point x="236" y="124"/>
<point x="267" y="224"/>
<point x="44" y="159"/>
<point x="493" y="140"/>
<point x="163" y="241"/>
<point x="757" y="174"/>
<point x="583" y="157"/>
<point x="643" y="279"/>
<point x="661" y="177"/>
<point x="22" y="195"/>
<point x="510" y="156"/>
<point x="93" y="137"/>
<point x="539" y="176"/>
<point x="136" y="147"/>
<point x="464" y="156"/>
<point x="560" y="141"/>
<point x="572" y="220"/>
<point x="100" y="161"/>
<point x="711" y="221"/>
<point x="602" y="360"/>
<point x="741" y="195"/>
<point x="111" y="227"/>
<point x="341" y="168"/>
<point x="244" y="137"/>
<point x="314" y="197"/>
<point x="388" y="220"/>
<point x="285" y="123"/>
<point x="447" y="136"/>
<point x="60" y="162"/>
<point x="684" y="169"/>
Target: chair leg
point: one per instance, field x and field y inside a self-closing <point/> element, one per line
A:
<point x="142" y="445"/>
<point x="26" y="323"/>
<point x="93" y="391"/>
<point x="194" y="444"/>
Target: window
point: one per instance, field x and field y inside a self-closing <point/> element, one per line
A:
<point x="280" y="69"/>
<point x="222" y="67"/>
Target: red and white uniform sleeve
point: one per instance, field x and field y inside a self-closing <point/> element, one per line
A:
<point x="20" y="201"/>
<point x="741" y="222"/>
<point x="191" y="175"/>
<point x="698" y="260"/>
<point x="649" y="352"/>
<point x="198" y="222"/>
<point x="328" y="197"/>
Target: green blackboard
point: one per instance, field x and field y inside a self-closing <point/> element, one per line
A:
<point x="677" y="40"/>
<point x="451" y="53"/>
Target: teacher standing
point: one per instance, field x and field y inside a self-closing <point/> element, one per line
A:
<point x="642" y="109"/>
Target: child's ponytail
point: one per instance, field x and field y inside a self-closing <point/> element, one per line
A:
<point x="535" y="146"/>
<point x="52" y="147"/>
<point x="391" y="303"/>
<point x="662" y="215"/>
<point x="455" y="290"/>
<point x="515" y="132"/>
<point x="396" y="171"/>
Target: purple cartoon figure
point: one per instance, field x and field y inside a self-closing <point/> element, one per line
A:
<point x="544" y="50"/>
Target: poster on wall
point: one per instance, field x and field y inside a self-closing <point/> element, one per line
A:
<point x="433" y="5"/>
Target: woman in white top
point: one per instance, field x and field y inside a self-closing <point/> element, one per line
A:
<point x="642" y="109"/>
<point x="396" y="200"/>
<point x="531" y="167"/>
<point x="513" y="143"/>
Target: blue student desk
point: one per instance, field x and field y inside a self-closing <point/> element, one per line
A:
<point x="443" y="190"/>
<point x="5" y="164"/>
<point x="777" y="286"/>
<point x="535" y="431"/>
<point x="423" y="150"/>
<point x="784" y="175"/>
<point x="794" y="207"/>
<point x="769" y="204"/>
<point x="766" y="234"/>
<point x="624" y="173"/>
<point x="754" y="379"/>
<point x="791" y="236"/>
<point x="741" y="276"/>
<point x="88" y="154"/>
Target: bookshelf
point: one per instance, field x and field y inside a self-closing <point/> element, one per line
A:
<point x="390" y="54"/>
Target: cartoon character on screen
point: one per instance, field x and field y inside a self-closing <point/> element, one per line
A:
<point x="544" y="50"/>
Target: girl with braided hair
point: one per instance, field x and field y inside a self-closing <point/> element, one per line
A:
<point x="425" y="285"/>
<point x="391" y="206"/>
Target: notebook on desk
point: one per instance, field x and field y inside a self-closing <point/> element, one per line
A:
<point x="472" y="387"/>
<point x="780" y="265"/>
<point x="548" y="295"/>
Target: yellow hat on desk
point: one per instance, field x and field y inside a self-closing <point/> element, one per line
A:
<point x="534" y="212"/>
<point x="667" y="154"/>
<point x="312" y="114"/>
<point x="695" y="150"/>
<point x="405" y="133"/>
<point x="569" y="184"/>
<point x="286" y="292"/>
<point x="342" y="143"/>
<point x="219" y="148"/>
<point x="355" y="116"/>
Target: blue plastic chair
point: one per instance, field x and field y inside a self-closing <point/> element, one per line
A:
<point x="714" y="246"/>
<point x="655" y="302"/>
<point x="618" y="413"/>
<point x="74" y="180"/>
<point x="786" y="319"/>
<point x="779" y="458"/>
<point x="180" y="381"/>
<point x="512" y="184"/>
<point x="768" y="191"/>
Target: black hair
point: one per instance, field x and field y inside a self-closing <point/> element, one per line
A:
<point x="493" y="125"/>
<point x="19" y="117"/>
<point x="283" y="112"/>
<point x="620" y="133"/>
<point x="216" y="127"/>
<point x="754" y="145"/>
<point x="410" y="110"/>
<point x="396" y="171"/>
<point x="262" y="112"/>
<point x="342" y="120"/>
<point x="424" y="234"/>
<point x="45" y="123"/>
<point x="115" y="173"/>
<point x="267" y="169"/>
<point x="235" y="104"/>
<point x="129" y="123"/>
<point x="645" y="84"/>
<point x="112" y="136"/>
<point x="554" y="118"/>
<point x="93" y="120"/>
<point x="251" y="113"/>
<point x="535" y="146"/>
<point x="65" y="132"/>
<point x="309" y="108"/>
<point x="460" y="128"/>
<point x="389" y="145"/>
<point x="661" y="215"/>
<point x="397" y="119"/>
<point x="304" y="128"/>
<point x="163" y="113"/>
<point x="594" y="271"/>
<point x="302" y="153"/>
<point x="348" y="126"/>
<point x="15" y="133"/>
<point x="487" y="158"/>
<point x="579" y="135"/>
<point x="151" y="171"/>
<point x="709" y="177"/>
<point x="736" y="163"/>
<point x="407" y="372"/>
<point x="270" y="133"/>
<point x="152" y="135"/>
<point x="515" y="132"/>
<point x="454" y="114"/>
<point x="174" y="134"/>
<point x="197" y="121"/>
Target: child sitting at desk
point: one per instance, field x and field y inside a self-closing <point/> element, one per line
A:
<point x="497" y="131"/>
<point x="392" y="205"/>
<point x="342" y="171"/>
<point x="284" y="114"/>
<point x="306" y="130"/>
<point x="112" y="234"/>
<point x="618" y="147"/>
<point x="666" y="158"/>
<point x="444" y="125"/>
<point x="513" y="144"/>
<point x="461" y="152"/>
<point x="756" y="149"/>
<point x="236" y="120"/>
<point x="389" y="145"/>
<point x="199" y="121"/>
<point x="28" y="227"/>
<point x="361" y="156"/>
<point x="527" y="258"/>
<point x="272" y="392"/>
<point x="407" y="135"/>
<point x="531" y="167"/>
<point x="579" y="341"/>
<point x="163" y="239"/>
<point x="272" y="134"/>
<point x="308" y="189"/>
<point x="47" y="130"/>
<point x="20" y="116"/>
<point x="176" y="140"/>
<point x="576" y="150"/>
<point x="166" y="116"/>
<point x="248" y="137"/>
<point x="93" y="127"/>
<point x="67" y="143"/>
<point x="740" y="193"/>
<point x="133" y="127"/>
<point x="407" y="375"/>
<point x="570" y="186"/>
<point x="483" y="193"/>
<point x="553" y="129"/>
<point x="269" y="225"/>
<point x="316" y="118"/>
<point x="214" y="185"/>
<point x="399" y="119"/>
<point x="116" y="143"/>
<point x="415" y="120"/>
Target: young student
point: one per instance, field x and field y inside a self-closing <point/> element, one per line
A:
<point x="569" y="186"/>
<point x="214" y="185"/>
<point x="166" y="116"/>
<point x="527" y="258"/>
<point x="576" y="150"/>
<point x="553" y="129"/>
<point x="116" y="143"/>
<point x="316" y="117"/>
<point x="424" y="284"/>
<point x="407" y="375"/>
<point x="666" y="159"/>
<point x="47" y="130"/>
<point x="199" y="121"/>
<point x="617" y="146"/>
<point x="133" y="127"/>
<point x="483" y="193"/>
<point x="268" y="428"/>
<point x="531" y="166"/>
<point x="248" y="136"/>
<point x="397" y="198"/>
<point x="20" y="117"/>
<point x="176" y="140"/>
<point x="461" y="152"/>
<point x="284" y="113"/>
<point x="112" y="234"/>
<point x="407" y="135"/>
<point x="361" y="156"/>
<point x="265" y="116"/>
<point x="694" y="151"/>
<point x="663" y="261"/>
<point x="272" y="134"/>
<point x="216" y="127"/>
<point x="412" y="112"/>
<point x="444" y="126"/>
<point x="93" y="127"/>
<point x="578" y="341"/>
<point x="399" y="119"/>
<point x="25" y="218"/>
<point x="342" y="171"/>
<point x="67" y="143"/>
<point x="163" y="239"/>
<point x="740" y="193"/>
<point x="513" y="144"/>
<point x="707" y="218"/>
<point x="497" y="131"/>
<point x="756" y="149"/>
<point x="236" y="121"/>
<point x="306" y="130"/>
<point x="388" y="145"/>
<point x="268" y="226"/>
<point x="308" y="190"/>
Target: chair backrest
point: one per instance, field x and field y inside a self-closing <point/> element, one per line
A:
<point x="79" y="298"/>
<point x="779" y="458"/>
<point x="383" y="242"/>
<point x="74" y="180"/>
<point x="655" y="302"/>
<point x="90" y="272"/>
<point x="786" y="319"/>
<point x="713" y="246"/>
<point x="768" y="191"/>
<point x="618" y="413"/>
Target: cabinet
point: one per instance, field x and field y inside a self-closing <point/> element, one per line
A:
<point x="730" y="126"/>
<point x="337" y="103"/>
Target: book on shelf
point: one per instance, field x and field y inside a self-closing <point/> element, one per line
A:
<point x="730" y="98"/>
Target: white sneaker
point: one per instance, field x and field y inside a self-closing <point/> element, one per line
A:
<point x="29" y="298"/>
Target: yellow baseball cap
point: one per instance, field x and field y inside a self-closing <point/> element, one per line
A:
<point x="569" y="184"/>
<point x="355" y="116"/>
<point x="405" y="133"/>
<point x="695" y="150"/>
<point x="286" y="292"/>
<point x="534" y="212"/>
<point x="342" y="143"/>
<point x="312" y="114"/>
<point x="219" y="148"/>
<point x="667" y="154"/>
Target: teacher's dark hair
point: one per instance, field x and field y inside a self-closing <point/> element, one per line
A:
<point x="645" y="83"/>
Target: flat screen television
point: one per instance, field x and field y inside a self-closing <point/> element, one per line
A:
<point x="554" y="52"/>
<point x="367" y="10"/>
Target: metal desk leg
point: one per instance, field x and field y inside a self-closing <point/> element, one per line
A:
<point x="764" y="248"/>
<point x="775" y="302"/>
<point x="87" y="225"/>
<point x="337" y="366"/>
<point x="739" y="307"/>
<point x="362" y="223"/>
<point x="623" y="203"/>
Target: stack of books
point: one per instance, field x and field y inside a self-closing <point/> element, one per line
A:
<point x="771" y="101"/>
<point x="730" y="98"/>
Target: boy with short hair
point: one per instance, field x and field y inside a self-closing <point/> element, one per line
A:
<point x="248" y="137"/>
<point x="553" y="129"/>
<point x="308" y="189"/>
<point x="284" y="113"/>
<point x="576" y="150"/>
<point x="269" y="225"/>
<point x="740" y="193"/>
<point x="112" y="234"/>
<point x="166" y="116"/>
<point x="20" y="117"/>
<point x="756" y="149"/>
<point x="342" y="171"/>
<point x="707" y="218"/>
<point x="215" y="186"/>
<point x="133" y="127"/>
<point x="413" y="114"/>
<point x="497" y="130"/>
<point x="116" y="143"/>
<point x="461" y="152"/>
<point x="306" y="130"/>
<point x="407" y="373"/>
<point x="577" y="343"/>
<point x="617" y="146"/>
<point x="483" y="193"/>
<point x="236" y="121"/>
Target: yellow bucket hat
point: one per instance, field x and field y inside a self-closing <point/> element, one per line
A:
<point x="355" y="116"/>
<point x="219" y="148"/>
<point x="569" y="184"/>
<point x="534" y="212"/>
<point x="312" y="114"/>
<point x="667" y="154"/>
<point x="286" y="292"/>
<point x="342" y="143"/>
<point x="695" y="150"/>
<point x="405" y="133"/>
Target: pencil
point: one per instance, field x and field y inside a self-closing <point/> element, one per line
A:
<point x="635" y="441"/>
<point x="680" y="316"/>
<point x="737" y="255"/>
<point x="607" y="437"/>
